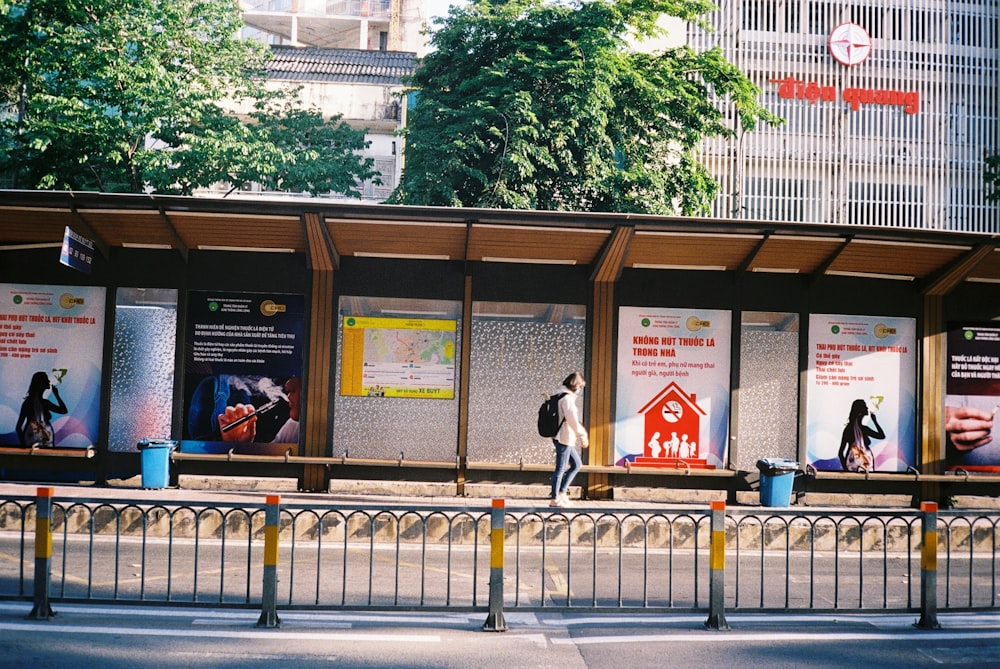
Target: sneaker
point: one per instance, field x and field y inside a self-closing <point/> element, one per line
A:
<point x="564" y="499"/>
<point x="556" y="501"/>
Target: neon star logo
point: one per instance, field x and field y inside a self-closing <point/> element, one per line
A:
<point x="850" y="44"/>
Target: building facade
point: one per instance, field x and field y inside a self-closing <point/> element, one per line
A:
<point x="383" y="25"/>
<point x="365" y="88"/>
<point x="890" y="109"/>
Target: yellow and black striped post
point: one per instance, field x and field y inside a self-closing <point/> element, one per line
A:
<point x="494" y="621"/>
<point x="717" y="570"/>
<point x="43" y="555"/>
<point x="269" y="594"/>
<point x="928" y="568"/>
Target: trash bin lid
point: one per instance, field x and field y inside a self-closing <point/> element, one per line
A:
<point x="156" y="443"/>
<point x="777" y="465"/>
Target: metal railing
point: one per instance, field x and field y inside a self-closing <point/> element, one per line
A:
<point x="353" y="556"/>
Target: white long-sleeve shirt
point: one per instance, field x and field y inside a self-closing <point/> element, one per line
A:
<point x="571" y="429"/>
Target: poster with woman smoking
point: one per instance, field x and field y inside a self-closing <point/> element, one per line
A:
<point x="860" y="393"/>
<point x="243" y="366"/>
<point x="51" y="351"/>
<point x="972" y="397"/>
<point x="673" y="387"/>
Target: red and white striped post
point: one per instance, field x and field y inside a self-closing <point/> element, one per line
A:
<point x="717" y="569"/>
<point x="494" y="621"/>
<point x="43" y="554"/>
<point x="269" y="594"/>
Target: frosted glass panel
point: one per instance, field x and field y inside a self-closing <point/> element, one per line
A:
<point x="388" y="428"/>
<point x="769" y="388"/>
<point x="142" y="366"/>
<point x="520" y="353"/>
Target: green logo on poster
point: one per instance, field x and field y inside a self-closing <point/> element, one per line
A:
<point x="835" y="329"/>
<point x="350" y="322"/>
<point x="213" y="306"/>
<point x="969" y="335"/>
<point x="645" y="322"/>
<point x="18" y="299"/>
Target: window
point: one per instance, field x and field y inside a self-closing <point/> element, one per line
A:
<point x="768" y="199"/>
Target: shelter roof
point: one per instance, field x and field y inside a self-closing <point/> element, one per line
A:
<point x="606" y="243"/>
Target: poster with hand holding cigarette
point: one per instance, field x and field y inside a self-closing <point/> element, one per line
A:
<point x="243" y="368"/>
<point x="972" y="397"/>
<point x="860" y="398"/>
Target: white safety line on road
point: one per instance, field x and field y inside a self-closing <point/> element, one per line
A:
<point x="229" y="616"/>
<point x="833" y="636"/>
<point x="187" y="633"/>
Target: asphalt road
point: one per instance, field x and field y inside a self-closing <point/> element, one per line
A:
<point x="115" y="636"/>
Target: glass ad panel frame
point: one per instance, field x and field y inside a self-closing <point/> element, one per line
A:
<point x="674" y="385"/>
<point x="860" y="393"/>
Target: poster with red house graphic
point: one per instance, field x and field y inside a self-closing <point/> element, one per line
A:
<point x="673" y="387"/>
<point x="672" y="424"/>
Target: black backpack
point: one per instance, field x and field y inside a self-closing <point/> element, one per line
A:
<point x="548" y="416"/>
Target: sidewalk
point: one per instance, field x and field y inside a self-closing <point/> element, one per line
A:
<point x="394" y="493"/>
<point x="377" y="493"/>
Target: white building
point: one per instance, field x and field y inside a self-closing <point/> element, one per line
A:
<point x="384" y="25"/>
<point x="891" y="108"/>
<point x="349" y="57"/>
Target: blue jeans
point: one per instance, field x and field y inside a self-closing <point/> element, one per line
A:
<point x="568" y="463"/>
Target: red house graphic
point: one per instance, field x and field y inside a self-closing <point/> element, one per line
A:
<point x="672" y="423"/>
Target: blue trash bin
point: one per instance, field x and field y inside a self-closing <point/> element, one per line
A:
<point x="155" y="455"/>
<point x="776" y="478"/>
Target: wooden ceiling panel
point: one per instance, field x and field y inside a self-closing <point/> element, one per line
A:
<point x="683" y="249"/>
<point x="904" y="259"/>
<point x="31" y="225"/>
<point x="239" y="230"/>
<point x="804" y="255"/>
<point x="398" y="239"/>
<point x="122" y="228"/>
<point x="988" y="269"/>
<point x="514" y="243"/>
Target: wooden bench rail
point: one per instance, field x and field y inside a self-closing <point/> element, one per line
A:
<point x="84" y="453"/>
<point x="958" y="476"/>
<point x="605" y="469"/>
<point x="288" y="458"/>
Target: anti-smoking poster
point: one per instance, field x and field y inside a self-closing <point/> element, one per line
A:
<point x="243" y="367"/>
<point x="673" y="387"/>
<point x="51" y="348"/>
<point x="860" y="395"/>
<point x="972" y="396"/>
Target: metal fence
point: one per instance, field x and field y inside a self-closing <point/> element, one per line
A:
<point x="351" y="556"/>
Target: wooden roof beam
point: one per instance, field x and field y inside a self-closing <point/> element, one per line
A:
<point x="611" y="261"/>
<point x="179" y="243"/>
<point x="832" y="258"/>
<point x="949" y="277"/>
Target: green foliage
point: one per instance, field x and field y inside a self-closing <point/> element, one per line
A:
<point x="992" y="176"/>
<point x="529" y="104"/>
<point x="135" y="95"/>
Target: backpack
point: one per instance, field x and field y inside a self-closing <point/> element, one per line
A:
<point x="548" y="416"/>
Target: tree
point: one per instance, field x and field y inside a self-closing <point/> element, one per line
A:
<point x="136" y="95"/>
<point x="992" y="175"/>
<point x="535" y="104"/>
